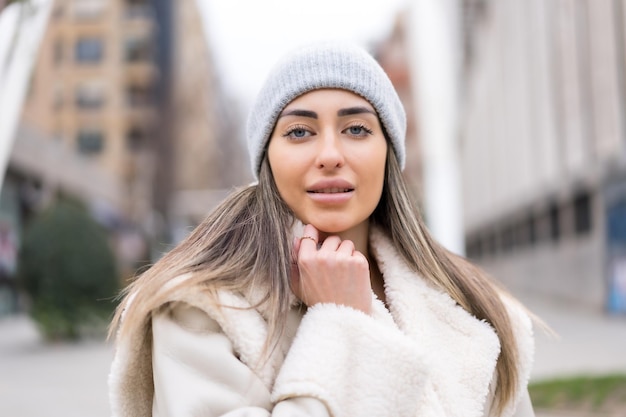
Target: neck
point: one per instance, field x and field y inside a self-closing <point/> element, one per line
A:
<point x="359" y="235"/>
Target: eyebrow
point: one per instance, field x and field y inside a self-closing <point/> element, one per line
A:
<point x="354" y="110"/>
<point x="341" y="112"/>
<point x="301" y="113"/>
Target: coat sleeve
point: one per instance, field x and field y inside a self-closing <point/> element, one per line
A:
<point x="342" y="363"/>
<point x="196" y="373"/>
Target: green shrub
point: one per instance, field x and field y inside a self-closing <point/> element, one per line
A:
<point x="68" y="270"/>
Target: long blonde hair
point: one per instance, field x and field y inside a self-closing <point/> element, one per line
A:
<point x="229" y="250"/>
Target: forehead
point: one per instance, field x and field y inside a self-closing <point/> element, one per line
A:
<point x="329" y="97"/>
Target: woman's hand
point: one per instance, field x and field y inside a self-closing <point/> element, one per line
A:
<point x="333" y="273"/>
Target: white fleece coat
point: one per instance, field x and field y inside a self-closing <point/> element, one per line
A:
<point x="424" y="356"/>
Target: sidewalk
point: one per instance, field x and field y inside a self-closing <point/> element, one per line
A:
<point x="588" y="342"/>
<point x="69" y="380"/>
<point x="39" y="379"/>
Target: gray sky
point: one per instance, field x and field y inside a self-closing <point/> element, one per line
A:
<point x="248" y="36"/>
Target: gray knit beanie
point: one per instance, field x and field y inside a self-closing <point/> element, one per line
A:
<point x="325" y="65"/>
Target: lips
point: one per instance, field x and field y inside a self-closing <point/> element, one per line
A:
<point x="331" y="190"/>
<point x="334" y="186"/>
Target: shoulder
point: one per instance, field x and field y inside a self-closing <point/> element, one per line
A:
<point x="201" y="309"/>
<point x="189" y="317"/>
<point x="225" y="320"/>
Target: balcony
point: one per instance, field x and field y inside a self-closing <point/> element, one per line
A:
<point x="138" y="49"/>
<point x="139" y="96"/>
<point x="90" y="96"/>
<point x="138" y="9"/>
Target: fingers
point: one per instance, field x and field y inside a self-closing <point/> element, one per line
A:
<point x="309" y="239"/>
<point x="346" y="248"/>
<point x="333" y="272"/>
<point x="331" y="243"/>
<point x="295" y="249"/>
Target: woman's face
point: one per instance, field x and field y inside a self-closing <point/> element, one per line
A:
<point x="327" y="155"/>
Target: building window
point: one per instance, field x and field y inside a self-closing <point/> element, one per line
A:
<point x="88" y="9"/>
<point x="138" y="49"/>
<point x="507" y="237"/>
<point x="90" y="141"/>
<point x="136" y="138"/>
<point x="473" y="247"/>
<point x="555" y="218"/>
<point x="531" y="228"/>
<point x="89" y="50"/>
<point x="139" y="95"/>
<point x="582" y="213"/>
<point x="136" y="9"/>
<point x="90" y="95"/>
<point x="491" y="243"/>
<point x="521" y="233"/>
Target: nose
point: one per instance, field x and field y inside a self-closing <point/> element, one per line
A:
<point x="330" y="154"/>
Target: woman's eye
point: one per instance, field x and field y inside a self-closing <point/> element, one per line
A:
<point x="358" y="130"/>
<point x="297" y="133"/>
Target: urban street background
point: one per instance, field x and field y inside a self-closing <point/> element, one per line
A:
<point x="133" y="113"/>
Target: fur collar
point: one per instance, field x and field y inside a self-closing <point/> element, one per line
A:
<point x="462" y="349"/>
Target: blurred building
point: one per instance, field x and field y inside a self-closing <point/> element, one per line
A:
<point x="125" y="112"/>
<point x="392" y="55"/>
<point x="209" y="154"/>
<point x="544" y="146"/>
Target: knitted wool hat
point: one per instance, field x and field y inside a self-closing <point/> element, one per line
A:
<point x="326" y="65"/>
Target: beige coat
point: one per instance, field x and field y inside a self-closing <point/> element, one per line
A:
<point x="424" y="356"/>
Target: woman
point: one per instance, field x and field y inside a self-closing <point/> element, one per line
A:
<point x="318" y="290"/>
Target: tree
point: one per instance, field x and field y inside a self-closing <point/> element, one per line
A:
<point x="67" y="268"/>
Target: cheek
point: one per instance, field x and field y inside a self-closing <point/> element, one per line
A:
<point x="372" y="173"/>
<point x="378" y="181"/>
<point x="284" y="170"/>
<point x="375" y="165"/>
<point x="378" y="174"/>
<point x="276" y="160"/>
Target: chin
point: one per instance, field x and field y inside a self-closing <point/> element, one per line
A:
<point x="334" y="224"/>
<point x="331" y="228"/>
<point x="330" y="231"/>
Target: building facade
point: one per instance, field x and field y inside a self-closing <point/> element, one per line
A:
<point x="392" y="54"/>
<point x="125" y="112"/>
<point x="91" y="93"/>
<point x="209" y="156"/>
<point x="543" y="139"/>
